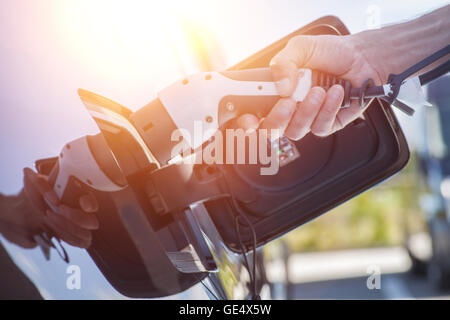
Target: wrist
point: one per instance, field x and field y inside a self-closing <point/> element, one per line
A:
<point x="393" y="49"/>
<point x="376" y="51"/>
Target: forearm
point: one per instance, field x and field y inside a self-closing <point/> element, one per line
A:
<point x="395" y="48"/>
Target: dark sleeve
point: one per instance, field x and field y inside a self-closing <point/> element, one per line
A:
<point x="14" y="284"/>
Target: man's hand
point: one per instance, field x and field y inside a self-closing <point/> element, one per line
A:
<point x="320" y="111"/>
<point x="370" y="54"/>
<point x="28" y="212"/>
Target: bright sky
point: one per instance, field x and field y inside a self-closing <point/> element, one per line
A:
<point x="127" y="50"/>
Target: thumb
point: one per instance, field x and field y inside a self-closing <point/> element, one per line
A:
<point x="286" y="63"/>
<point x="284" y="73"/>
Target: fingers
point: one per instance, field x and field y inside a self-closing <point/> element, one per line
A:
<point x="38" y="190"/>
<point x="321" y="113"/>
<point x="316" y="113"/>
<point x="280" y="116"/>
<point x="74" y="225"/>
<point x="68" y="231"/>
<point x="71" y="225"/>
<point x="82" y="219"/>
<point x="347" y="115"/>
<point x="324" y="123"/>
<point x="305" y="114"/>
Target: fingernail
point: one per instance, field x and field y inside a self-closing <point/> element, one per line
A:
<point x="86" y="204"/>
<point x="283" y="87"/>
<point x="336" y="91"/>
<point x="88" y="207"/>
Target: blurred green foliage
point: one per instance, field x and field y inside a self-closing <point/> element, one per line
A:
<point x="380" y="216"/>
